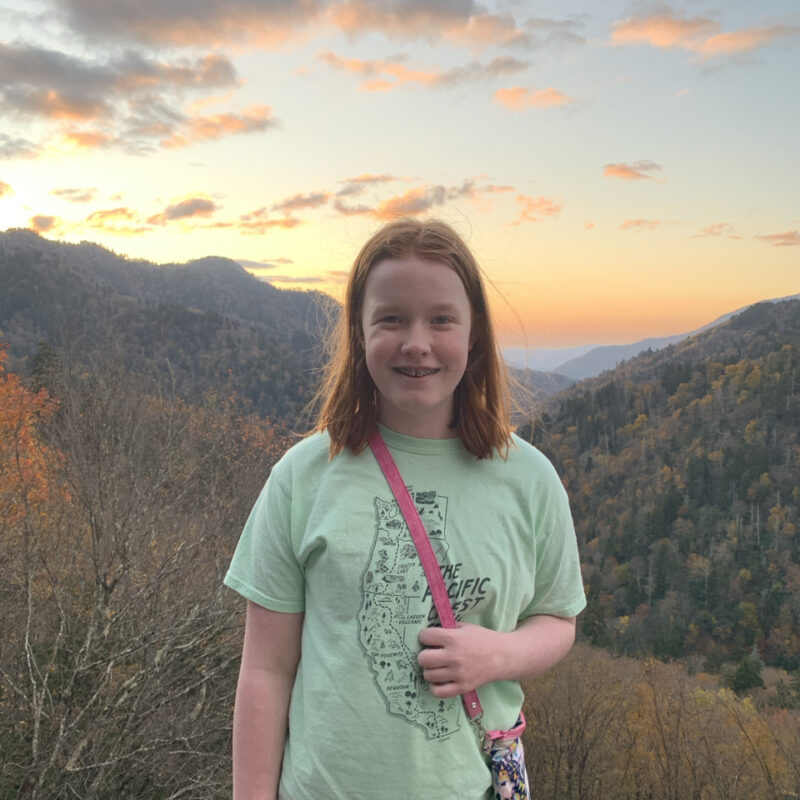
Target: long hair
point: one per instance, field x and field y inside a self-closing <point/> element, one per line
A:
<point x="348" y="394"/>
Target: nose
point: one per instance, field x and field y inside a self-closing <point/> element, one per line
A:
<point x="415" y="342"/>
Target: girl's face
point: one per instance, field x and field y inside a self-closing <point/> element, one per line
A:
<point x="417" y="324"/>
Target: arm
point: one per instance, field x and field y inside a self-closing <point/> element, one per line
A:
<point x="460" y="659"/>
<point x="270" y="656"/>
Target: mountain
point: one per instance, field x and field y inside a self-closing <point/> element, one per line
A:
<point x="543" y="358"/>
<point x="587" y="361"/>
<point x="683" y="470"/>
<point x="207" y="325"/>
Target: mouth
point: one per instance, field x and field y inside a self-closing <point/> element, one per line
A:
<point x="411" y="372"/>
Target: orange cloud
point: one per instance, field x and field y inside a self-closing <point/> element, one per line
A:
<point x="5" y="189"/>
<point x="717" y="229"/>
<point x="455" y="22"/>
<point x="259" y="222"/>
<point x="385" y="75"/>
<point x="486" y="30"/>
<point x="534" y="208"/>
<point x="42" y="223"/>
<point x="87" y="140"/>
<point x="744" y="41"/>
<point x="699" y="35"/>
<point x="412" y="203"/>
<point x="198" y="129"/>
<point x="631" y="172"/>
<point x="119" y="221"/>
<point x="518" y="98"/>
<point x="664" y="30"/>
<point x="640" y="224"/>
<point x="185" y="209"/>
<point x="786" y="239"/>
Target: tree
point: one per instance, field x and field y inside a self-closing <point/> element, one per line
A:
<point x="120" y="646"/>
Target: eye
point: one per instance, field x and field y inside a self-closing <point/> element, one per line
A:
<point x="442" y="320"/>
<point x="389" y="319"/>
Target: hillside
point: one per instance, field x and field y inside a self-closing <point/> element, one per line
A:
<point x="683" y="468"/>
<point x="206" y="325"/>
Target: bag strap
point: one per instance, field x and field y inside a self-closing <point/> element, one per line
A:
<point x="430" y="565"/>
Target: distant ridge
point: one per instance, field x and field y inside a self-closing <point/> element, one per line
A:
<point x="595" y="360"/>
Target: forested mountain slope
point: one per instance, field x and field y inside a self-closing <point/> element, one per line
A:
<point x="683" y="468"/>
<point x="206" y="325"/>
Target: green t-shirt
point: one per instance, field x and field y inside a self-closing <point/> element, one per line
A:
<point x="326" y="537"/>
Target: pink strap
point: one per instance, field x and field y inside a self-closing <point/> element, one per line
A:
<point x="423" y="544"/>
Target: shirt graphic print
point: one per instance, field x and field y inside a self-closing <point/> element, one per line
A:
<point x="396" y="605"/>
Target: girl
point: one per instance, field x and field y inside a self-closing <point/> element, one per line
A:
<point x="372" y="710"/>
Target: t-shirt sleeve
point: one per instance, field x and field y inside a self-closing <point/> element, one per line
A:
<point x="264" y="567"/>
<point x="558" y="588"/>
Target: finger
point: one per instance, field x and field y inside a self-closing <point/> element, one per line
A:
<point x="443" y="690"/>
<point x="439" y="675"/>
<point x="433" y="637"/>
<point x="432" y="657"/>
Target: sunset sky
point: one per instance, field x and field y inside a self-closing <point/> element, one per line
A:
<point x="621" y="170"/>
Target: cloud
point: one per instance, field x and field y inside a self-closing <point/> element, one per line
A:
<point x="385" y="75"/>
<point x="259" y="222"/>
<point x="42" y="223"/>
<point x="196" y="23"/>
<point x="270" y="263"/>
<point x="421" y="199"/>
<point x="632" y="172"/>
<point x="185" y="209"/>
<point x="75" y="195"/>
<point x="460" y="22"/>
<point x="253" y="119"/>
<point x="17" y="148"/>
<point x="294" y="279"/>
<point x="640" y="224"/>
<point x="701" y="36"/>
<point x="786" y="239"/>
<point x="300" y="201"/>
<point x="717" y="229"/>
<point x="46" y="83"/>
<point x="127" y="101"/>
<point x="360" y="184"/>
<point x="518" y="98"/>
<point x="120" y="221"/>
<point x="403" y="19"/>
<point x="87" y="139"/>
<point x="411" y="203"/>
<point x="486" y="30"/>
<point x="5" y="189"/>
<point x="533" y="209"/>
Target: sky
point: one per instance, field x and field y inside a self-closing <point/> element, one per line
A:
<point x="620" y="169"/>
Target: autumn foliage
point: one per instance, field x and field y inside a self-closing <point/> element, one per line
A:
<point x="24" y="459"/>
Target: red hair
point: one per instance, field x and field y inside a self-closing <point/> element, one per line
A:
<point x="349" y="398"/>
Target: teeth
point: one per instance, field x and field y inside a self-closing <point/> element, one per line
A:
<point x="415" y="373"/>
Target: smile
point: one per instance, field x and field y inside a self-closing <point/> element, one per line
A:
<point x="415" y="373"/>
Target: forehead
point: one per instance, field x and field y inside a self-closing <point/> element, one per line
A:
<point x="414" y="279"/>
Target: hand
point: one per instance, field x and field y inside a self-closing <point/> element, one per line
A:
<point x="457" y="660"/>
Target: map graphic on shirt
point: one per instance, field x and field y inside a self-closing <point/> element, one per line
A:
<point x="395" y="605"/>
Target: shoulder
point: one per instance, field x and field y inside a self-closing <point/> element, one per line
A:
<point x="310" y="453"/>
<point x="529" y="467"/>
<point x="524" y="455"/>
